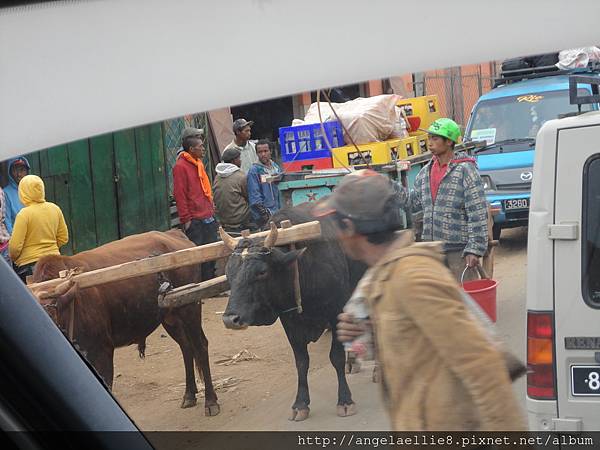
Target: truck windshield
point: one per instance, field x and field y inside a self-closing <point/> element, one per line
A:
<point x="518" y="117"/>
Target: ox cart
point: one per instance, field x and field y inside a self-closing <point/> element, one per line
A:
<point x="310" y="186"/>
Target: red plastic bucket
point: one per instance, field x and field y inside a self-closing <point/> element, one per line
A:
<point x="484" y="293"/>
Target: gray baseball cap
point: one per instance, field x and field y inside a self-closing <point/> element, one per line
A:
<point x="190" y="131"/>
<point x="361" y="195"/>
<point x="230" y="154"/>
<point x="239" y="124"/>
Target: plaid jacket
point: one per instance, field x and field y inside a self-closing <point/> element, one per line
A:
<point x="459" y="214"/>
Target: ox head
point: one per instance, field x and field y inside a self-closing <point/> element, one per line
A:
<point x="48" y="268"/>
<point x="57" y="302"/>
<point x="260" y="279"/>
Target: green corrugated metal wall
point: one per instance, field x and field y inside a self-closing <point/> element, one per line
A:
<point x="109" y="186"/>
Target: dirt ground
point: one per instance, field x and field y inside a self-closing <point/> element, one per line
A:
<point x="151" y="389"/>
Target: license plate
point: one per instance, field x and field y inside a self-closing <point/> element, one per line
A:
<point x="517" y="203"/>
<point x="585" y="380"/>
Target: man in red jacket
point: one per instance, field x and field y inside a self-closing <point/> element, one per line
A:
<point x="193" y="196"/>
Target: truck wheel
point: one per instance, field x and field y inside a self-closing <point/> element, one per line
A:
<point x="496" y="230"/>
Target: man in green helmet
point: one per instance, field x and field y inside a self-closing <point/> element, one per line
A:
<point x="449" y="193"/>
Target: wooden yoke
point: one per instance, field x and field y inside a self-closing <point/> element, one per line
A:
<point x="297" y="293"/>
<point x="170" y="261"/>
<point x="193" y="293"/>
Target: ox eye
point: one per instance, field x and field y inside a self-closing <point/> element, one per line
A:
<point x="262" y="274"/>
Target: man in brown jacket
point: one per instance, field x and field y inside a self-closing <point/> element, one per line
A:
<point x="439" y="371"/>
<point x="230" y="192"/>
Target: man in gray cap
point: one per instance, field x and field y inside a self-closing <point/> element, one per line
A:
<point x="230" y="193"/>
<point x="190" y="132"/>
<point x="241" y="141"/>
<point x="422" y="327"/>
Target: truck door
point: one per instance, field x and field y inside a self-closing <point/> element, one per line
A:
<point x="576" y="235"/>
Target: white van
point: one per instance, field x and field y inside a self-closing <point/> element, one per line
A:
<point x="563" y="273"/>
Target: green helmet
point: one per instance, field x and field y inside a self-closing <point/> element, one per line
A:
<point x="445" y="127"/>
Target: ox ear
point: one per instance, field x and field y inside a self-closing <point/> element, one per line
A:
<point x="288" y="258"/>
<point x="65" y="299"/>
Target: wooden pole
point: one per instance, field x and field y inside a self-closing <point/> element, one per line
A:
<point x="286" y="225"/>
<point x="192" y="293"/>
<point x="72" y="319"/>
<point x="169" y="261"/>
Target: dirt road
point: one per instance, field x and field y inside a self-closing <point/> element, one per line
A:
<point x="258" y="393"/>
<point x="261" y="390"/>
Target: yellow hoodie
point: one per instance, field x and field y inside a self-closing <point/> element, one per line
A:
<point x="39" y="228"/>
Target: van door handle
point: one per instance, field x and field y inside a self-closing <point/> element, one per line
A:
<point x="565" y="231"/>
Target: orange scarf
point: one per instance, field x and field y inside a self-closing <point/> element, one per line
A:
<point x="204" y="180"/>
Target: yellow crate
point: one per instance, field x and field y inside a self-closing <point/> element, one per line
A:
<point x="421" y="143"/>
<point x="406" y="147"/>
<point x="425" y="107"/>
<point x="418" y="133"/>
<point x="373" y="153"/>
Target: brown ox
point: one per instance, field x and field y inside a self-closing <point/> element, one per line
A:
<point x="126" y="312"/>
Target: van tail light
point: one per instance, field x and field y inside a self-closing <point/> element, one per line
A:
<point x="540" y="355"/>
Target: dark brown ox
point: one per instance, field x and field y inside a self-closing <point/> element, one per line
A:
<point x="126" y="312"/>
<point x="261" y="277"/>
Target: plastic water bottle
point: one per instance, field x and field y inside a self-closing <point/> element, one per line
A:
<point x="362" y="345"/>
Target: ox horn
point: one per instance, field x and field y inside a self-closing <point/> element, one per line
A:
<point x="272" y="237"/>
<point x="229" y="242"/>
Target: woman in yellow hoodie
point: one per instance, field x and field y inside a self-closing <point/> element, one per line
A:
<point x="39" y="228"/>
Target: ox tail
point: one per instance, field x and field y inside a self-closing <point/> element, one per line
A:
<point x="142" y="349"/>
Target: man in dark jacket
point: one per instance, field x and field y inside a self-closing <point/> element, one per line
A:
<point x="231" y="193"/>
<point x="193" y="196"/>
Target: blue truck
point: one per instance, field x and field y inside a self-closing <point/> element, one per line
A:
<point x="508" y="119"/>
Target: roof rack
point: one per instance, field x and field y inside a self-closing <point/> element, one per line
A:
<point x="575" y="98"/>
<point x="511" y="76"/>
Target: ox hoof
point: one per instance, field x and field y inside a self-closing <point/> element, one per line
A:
<point x="188" y="402"/>
<point x="212" y="410"/>
<point x="347" y="410"/>
<point x="298" y="415"/>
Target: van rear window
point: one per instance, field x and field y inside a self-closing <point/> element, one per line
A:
<point x="591" y="232"/>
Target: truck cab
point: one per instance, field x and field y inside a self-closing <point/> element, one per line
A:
<point x="508" y="119"/>
<point x="563" y="272"/>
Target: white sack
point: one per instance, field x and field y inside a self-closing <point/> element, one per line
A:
<point x="577" y="58"/>
<point x="366" y="119"/>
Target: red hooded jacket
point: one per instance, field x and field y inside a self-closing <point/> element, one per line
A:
<point x="191" y="201"/>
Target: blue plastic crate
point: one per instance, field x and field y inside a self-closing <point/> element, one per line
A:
<point x="307" y="141"/>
